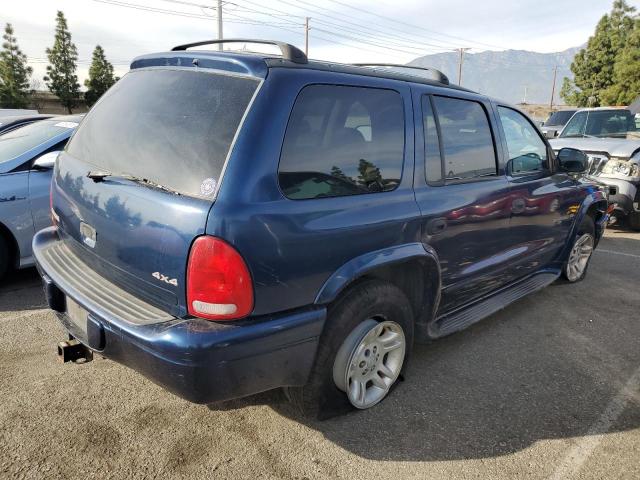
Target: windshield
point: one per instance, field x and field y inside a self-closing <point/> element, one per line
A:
<point x="600" y="123"/>
<point x="21" y="140"/>
<point x="171" y="127"/>
<point x="559" y="118"/>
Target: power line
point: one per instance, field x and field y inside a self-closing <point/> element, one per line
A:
<point x="352" y="30"/>
<point x="433" y="32"/>
<point x="362" y="28"/>
<point x="119" y="3"/>
<point x="356" y="34"/>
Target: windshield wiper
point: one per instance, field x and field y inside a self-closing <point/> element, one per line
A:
<point x="579" y="135"/>
<point x="99" y="176"/>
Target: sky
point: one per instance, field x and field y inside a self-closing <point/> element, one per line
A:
<point x="351" y="31"/>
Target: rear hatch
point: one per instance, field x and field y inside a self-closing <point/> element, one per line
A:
<point x="136" y="182"/>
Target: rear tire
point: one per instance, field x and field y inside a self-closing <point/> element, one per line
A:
<point x="634" y="221"/>
<point x="370" y="309"/>
<point x="575" y="268"/>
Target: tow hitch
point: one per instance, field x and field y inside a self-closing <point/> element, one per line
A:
<point x="74" y="351"/>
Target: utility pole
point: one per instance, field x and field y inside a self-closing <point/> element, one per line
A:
<point x="524" y="100"/>
<point x="461" y="50"/>
<point x="306" y="36"/>
<point x="220" y="37"/>
<point x="553" y="87"/>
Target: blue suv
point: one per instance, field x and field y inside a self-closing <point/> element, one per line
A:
<point x="227" y="223"/>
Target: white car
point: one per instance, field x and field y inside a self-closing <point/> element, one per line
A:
<point x="611" y="139"/>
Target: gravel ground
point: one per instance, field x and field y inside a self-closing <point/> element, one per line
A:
<point x="548" y="389"/>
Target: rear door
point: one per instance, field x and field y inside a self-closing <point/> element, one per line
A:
<point x="463" y="195"/>
<point x="161" y="138"/>
<point x="543" y="201"/>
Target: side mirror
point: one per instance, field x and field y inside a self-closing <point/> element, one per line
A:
<point x="550" y="133"/>
<point x="572" y="160"/>
<point x="46" y="161"/>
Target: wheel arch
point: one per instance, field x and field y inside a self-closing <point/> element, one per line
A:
<point x="414" y="268"/>
<point x="594" y="205"/>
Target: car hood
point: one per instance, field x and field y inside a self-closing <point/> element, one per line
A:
<point x="614" y="147"/>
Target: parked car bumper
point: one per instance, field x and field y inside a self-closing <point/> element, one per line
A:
<point x="622" y="193"/>
<point x="198" y="360"/>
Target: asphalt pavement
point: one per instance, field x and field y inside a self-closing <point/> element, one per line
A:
<point x="549" y="388"/>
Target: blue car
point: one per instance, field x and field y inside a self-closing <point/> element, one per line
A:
<point x="228" y="223"/>
<point x="27" y="156"/>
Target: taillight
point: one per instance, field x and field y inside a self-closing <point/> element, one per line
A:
<point x="218" y="282"/>
<point x="54" y="216"/>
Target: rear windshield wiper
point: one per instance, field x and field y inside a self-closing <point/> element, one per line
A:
<point x="99" y="176"/>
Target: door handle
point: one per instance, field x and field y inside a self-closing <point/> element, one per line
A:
<point x="518" y="205"/>
<point x="436" y="226"/>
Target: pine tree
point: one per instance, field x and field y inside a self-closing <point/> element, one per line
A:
<point x="338" y="173"/>
<point x="61" y="75"/>
<point x="593" y="66"/>
<point x="626" y="72"/>
<point x="101" y="77"/>
<point x="370" y="175"/>
<point x="14" y="73"/>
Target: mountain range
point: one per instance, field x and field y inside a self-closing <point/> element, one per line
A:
<point x="514" y="76"/>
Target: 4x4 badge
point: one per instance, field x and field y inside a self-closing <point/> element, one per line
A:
<point x="165" y="279"/>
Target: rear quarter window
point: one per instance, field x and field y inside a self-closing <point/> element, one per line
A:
<point x="342" y="140"/>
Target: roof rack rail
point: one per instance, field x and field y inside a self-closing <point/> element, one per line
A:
<point x="289" y="52"/>
<point x="438" y="75"/>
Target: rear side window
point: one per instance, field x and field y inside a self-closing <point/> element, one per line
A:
<point x="173" y="127"/>
<point x="467" y="142"/>
<point x="342" y="141"/>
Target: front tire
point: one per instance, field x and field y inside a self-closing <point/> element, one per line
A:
<point x="575" y="268"/>
<point x="634" y="221"/>
<point x="347" y="372"/>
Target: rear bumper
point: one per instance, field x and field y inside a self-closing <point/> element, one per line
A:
<point x="198" y="360"/>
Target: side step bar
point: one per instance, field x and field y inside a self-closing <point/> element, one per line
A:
<point x="460" y="319"/>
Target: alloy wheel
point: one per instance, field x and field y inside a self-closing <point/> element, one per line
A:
<point x="579" y="257"/>
<point x="369" y="361"/>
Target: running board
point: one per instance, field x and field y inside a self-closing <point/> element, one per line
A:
<point x="460" y="319"/>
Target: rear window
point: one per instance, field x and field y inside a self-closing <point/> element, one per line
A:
<point x="559" y="118"/>
<point x="172" y="127"/>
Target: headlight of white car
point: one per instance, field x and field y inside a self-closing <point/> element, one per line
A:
<point x="621" y="167"/>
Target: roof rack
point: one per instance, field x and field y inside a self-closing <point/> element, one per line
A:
<point x="438" y="76"/>
<point x="289" y="52"/>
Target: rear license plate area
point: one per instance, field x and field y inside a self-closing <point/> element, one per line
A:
<point x="77" y="317"/>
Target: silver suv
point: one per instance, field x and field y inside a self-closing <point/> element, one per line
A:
<point x="610" y="136"/>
